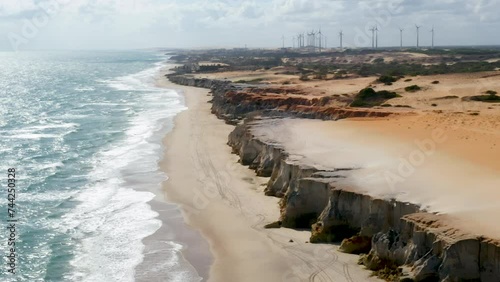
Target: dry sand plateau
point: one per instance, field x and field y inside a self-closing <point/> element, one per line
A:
<point x="458" y="175"/>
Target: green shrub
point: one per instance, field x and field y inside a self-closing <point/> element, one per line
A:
<point x="435" y="82"/>
<point x="491" y="98"/>
<point x="369" y="98"/>
<point x="386" y="79"/>
<point x="412" y="88"/>
<point x="491" y="92"/>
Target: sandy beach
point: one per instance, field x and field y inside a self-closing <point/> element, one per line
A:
<point x="223" y="200"/>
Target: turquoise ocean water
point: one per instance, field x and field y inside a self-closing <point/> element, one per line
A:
<point x="83" y="131"/>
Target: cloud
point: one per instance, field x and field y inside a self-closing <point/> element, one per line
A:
<point x="188" y="23"/>
<point x="9" y="8"/>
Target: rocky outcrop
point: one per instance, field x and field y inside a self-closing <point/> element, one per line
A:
<point x="356" y="245"/>
<point x="436" y="251"/>
<point x="395" y="233"/>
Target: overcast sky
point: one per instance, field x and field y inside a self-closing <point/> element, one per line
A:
<point x="131" y="24"/>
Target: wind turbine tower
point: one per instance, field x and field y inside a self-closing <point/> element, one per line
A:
<point x="320" y="35"/>
<point x="341" y="35"/>
<point x="283" y="41"/>
<point x="313" y="39"/>
<point x="401" y="37"/>
<point x="418" y="34"/>
<point x="373" y="37"/>
<point x="432" y="31"/>
<point x="376" y="37"/>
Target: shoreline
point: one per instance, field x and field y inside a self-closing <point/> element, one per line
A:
<point x="194" y="250"/>
<point x="224" y="201"/>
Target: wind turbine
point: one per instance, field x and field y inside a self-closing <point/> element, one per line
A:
<point x="341" y="35"/>
<point x="313" y="39"/>
<point x="432" y="30"/>
<point x="373" y="37"/>
<point x="320" y="35"/>
<point x="418" y="29"/>
<point x="326" y="41"/>
<point x="376" y="37"/>
<point x="283" y="39"/>
<point x="293" y="42"/>
<point x="401" y="37"/>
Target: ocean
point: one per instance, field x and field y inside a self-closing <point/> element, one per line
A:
<point x="83" y="131"/>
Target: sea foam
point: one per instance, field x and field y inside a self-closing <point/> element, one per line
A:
<point x="113" y="215"/>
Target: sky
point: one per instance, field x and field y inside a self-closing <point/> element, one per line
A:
<point x="137" y="24"/>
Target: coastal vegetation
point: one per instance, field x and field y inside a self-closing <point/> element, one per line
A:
<point x="489" y="97"/>
<point x="387" y="79"/>
<point x="368" y="97"/>
<point x="412" y="88"/>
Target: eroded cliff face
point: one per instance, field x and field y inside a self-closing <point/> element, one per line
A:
<point x="232" y="102"/>
<point x="437" y="251"/>
<point x="392" y="232"/>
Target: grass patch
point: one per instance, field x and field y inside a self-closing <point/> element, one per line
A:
<point x="413" y="88"/>
<point x="368" y="97"/>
